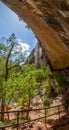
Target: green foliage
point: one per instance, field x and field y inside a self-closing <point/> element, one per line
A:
<point x="59" y="79"/>
<point x="23" y="80"/>
<point x="27" y="26"/>
<point x="27" y="85"/>
<point x="9" y="70"/>
<point x="2" y="47"/>
<point x="47" y="101"/>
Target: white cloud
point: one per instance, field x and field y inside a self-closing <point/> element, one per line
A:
<point x="27" y="53"/>
<point x="21" y="47"/>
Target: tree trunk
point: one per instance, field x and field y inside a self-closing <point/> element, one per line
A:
<point x="2" y="110"/>
<point x="29" y="101"/>
<point x="7" y="111"/>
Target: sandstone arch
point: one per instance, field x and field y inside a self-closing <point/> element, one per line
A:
<point x="30" y="11"/>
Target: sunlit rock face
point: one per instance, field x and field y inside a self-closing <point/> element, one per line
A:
<point x="49" y="20"/>
<point x="37" y="56"/>
<point x="55" y="13"/>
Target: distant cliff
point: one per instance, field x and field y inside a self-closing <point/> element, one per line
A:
<point x="37" y="56"/>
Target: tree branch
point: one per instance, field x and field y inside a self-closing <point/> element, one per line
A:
<point x="7" y="60"/>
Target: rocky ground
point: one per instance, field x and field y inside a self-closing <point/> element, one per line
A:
<point x="58" y="119"/>
<point x="40" y="125"/>
<point x="62" y="120"/>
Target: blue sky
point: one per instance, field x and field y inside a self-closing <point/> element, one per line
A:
<point x="9" y="23"/>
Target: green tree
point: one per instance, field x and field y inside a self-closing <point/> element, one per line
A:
<point x="8" y="74"/>
<point x="26" y="89"/>
<point x="18" y="81"/>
